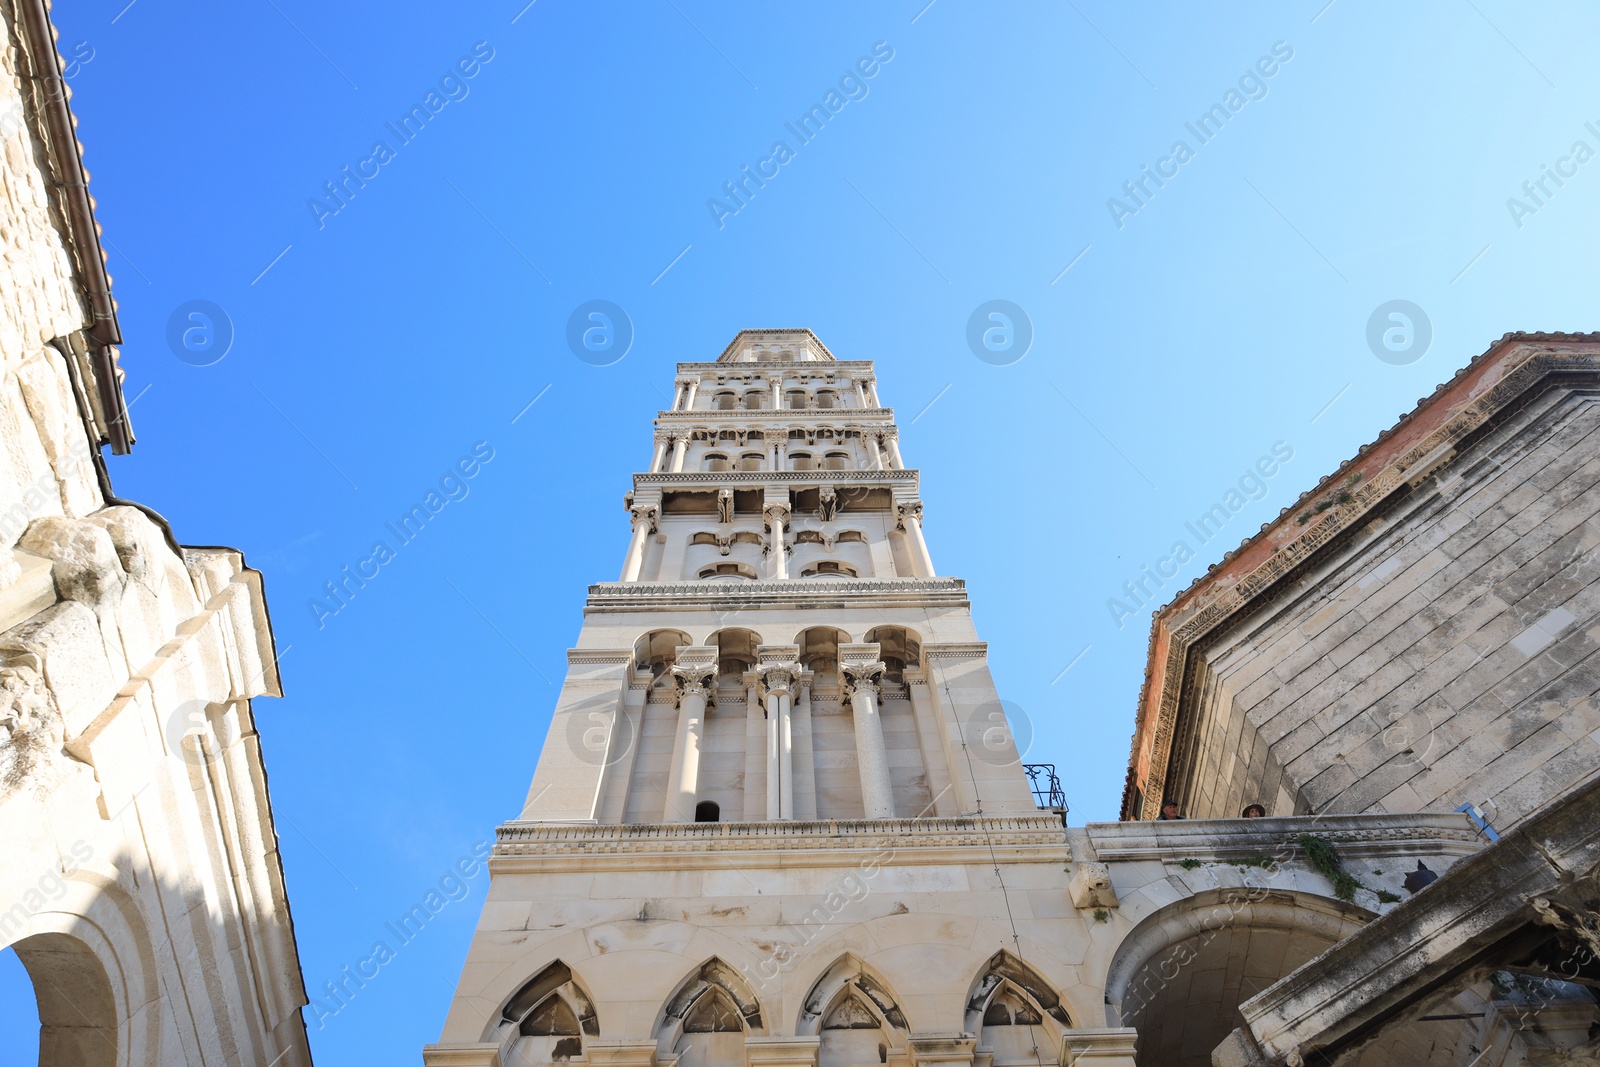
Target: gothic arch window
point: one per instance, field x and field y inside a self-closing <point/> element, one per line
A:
<point x="855" y="1013"/>
<point x="707" y="1018"/>
<point x="707" y="811"/>
<point x="552" y="1014"/>
<point x="1014" y="1010"/>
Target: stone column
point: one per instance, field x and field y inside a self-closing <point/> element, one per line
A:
<point x="755" y="734"/>
<point x="777" y="515"/>
<point x="893" y="441"/>
<point x="861" y="393"/>
<point x="660" y="454"/>
<point x="777" y="392"/>
<point x="909" y="519"/>
<point x="805" y="767"/>
<point x="679" y="447"/>
<point x="862" y="681"/>
<point x="874" y="449"/>
<point x="779" y="670"/>
<point x="644" y="524"/>
<point x="696" y="689"/>
<point x="688" y="395"/>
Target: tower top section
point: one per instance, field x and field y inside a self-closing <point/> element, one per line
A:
<point x="776" y="346"/>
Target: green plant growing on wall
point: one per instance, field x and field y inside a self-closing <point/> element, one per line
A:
<point x="1325" y="858"/>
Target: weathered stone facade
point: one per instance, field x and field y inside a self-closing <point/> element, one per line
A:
<point x="141" y="885"/>
<point x="1426" y="641"/>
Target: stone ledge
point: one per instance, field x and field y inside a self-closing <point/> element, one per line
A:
<point x="532" y="846"/>
<point x="837" y="478"/>
<point x="797" y="592"/>
<point x="1233" y="839"/>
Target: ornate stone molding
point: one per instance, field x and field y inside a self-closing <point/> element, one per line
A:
<point x="864" y="476"/>
<point x="831" y="842"/>
<point x="955" y="650"/>
<point x="854" y="592"/>
<point x="1222" y="840"/>
<point x="902" y="512"/>
<point x="599" y="655"/>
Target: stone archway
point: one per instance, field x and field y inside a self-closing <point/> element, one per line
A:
<point x="1180" y="975"/>
<point x="77" y="1008"/>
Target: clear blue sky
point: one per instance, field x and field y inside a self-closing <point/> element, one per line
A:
<point x="1227" y="314"/>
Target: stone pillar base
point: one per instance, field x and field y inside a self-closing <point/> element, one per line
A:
<point x="461" y="1055"/>
<point x="942" y="1050"/>
<point x="782" y="1051"/>
<point x="1099" y="1047"/>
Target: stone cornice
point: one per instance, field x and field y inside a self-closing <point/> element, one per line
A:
<point x="819" y="416"/>
<point x="899" y="478"/>
<point x="792" y="592"/>
<point x="956" y="650"/>
<point x="1402" y="456"/>
<point x="531" y="846"/>
<point x="821" y="367"/>
<point x="1222" y="840"/>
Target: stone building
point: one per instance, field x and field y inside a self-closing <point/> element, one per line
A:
<point x="140" y="884"/>
<point x="779" y="819"/>
<point x="1418" y="634"/>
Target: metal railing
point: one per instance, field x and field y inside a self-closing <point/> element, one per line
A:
<point x="1045" y="785"/>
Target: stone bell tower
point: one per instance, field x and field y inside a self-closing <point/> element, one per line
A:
<point x="778" y="816"/>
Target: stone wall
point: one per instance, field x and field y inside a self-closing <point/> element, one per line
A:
<point x="1445" y="654"/>
<point x="141" y="885"/>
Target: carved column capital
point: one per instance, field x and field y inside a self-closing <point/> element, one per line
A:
<point x="695" y="679"/>
<point x="912" y="510"/>
<point x="863" y="677"/>
<point x="646" y="513"/>
<point x="778" y="678"/>
<point x="775" y="513"/>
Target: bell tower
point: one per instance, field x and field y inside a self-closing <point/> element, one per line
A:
<point x="778" y="760"/>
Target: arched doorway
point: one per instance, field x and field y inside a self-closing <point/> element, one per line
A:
<point x="1180" y="976"/>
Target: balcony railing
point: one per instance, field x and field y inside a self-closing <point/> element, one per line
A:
<point x="1046" y="786"/>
